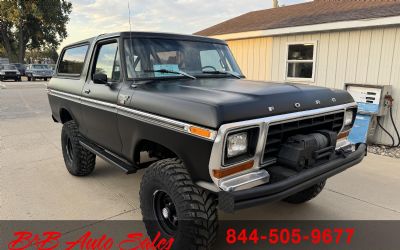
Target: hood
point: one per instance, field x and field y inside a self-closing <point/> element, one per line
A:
<point x="41" y="70"/>
<point x="213" y="102"/>
<point x="9" y="70"/>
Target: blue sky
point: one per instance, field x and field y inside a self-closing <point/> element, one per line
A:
<point x="93" y="17"/>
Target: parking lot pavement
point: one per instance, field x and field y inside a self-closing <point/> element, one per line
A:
<point x="34" y="183"/>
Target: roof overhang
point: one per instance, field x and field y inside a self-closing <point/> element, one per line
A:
<point x="354" y="24"/>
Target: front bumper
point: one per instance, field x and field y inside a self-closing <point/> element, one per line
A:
<point x="42" y="76"/>
<point x="231" y="201"/>
<point x="8" y="77"/>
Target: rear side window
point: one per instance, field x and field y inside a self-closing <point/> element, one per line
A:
<point x="72" y="60"/>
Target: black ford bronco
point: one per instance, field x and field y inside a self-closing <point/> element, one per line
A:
<point x="179" y="107"/>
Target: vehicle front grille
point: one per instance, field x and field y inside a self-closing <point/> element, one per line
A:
<point x="279" y="132"/>
<point x="10" y="73"/>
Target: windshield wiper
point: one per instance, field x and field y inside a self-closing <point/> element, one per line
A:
<point x="178" y="72"/>
<point x="231" y="73"/>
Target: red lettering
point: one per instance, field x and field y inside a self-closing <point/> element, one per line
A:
<point x="22" y="242"/>
<point x="87" y="243"/>
<point x="132" y="238"/>
<point x="135" y="241"/>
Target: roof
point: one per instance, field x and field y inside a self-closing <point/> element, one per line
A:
<point x="317" y="12"/>
<point x="139" y="34"/>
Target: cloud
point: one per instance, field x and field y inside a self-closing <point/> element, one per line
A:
<point x="92" y="17"/>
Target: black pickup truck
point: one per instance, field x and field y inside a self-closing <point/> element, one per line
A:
<point x="179" y="107"/>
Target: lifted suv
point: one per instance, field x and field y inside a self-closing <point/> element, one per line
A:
<point x="180" y="107"/>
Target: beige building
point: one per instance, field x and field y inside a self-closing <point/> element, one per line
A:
<point x="326" y="43"/>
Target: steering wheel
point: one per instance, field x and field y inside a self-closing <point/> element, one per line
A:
<point x="210" y="67"/>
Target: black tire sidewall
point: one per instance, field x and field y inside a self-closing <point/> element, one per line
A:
<point x="195" y="208"/>
<point x="66" y="134"/>
<point x="83" y="161"/>
<point x="149" y="217"/>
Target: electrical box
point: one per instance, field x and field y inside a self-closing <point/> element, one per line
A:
<point x="371" y="99"/>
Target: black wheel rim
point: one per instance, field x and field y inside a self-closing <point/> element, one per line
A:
<point x="165" y="212"/>
<point x="68" y="148"/>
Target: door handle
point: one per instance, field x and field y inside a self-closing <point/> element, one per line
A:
<point x="87" y="91"/>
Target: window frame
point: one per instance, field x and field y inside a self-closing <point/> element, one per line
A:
<point x="95" y="55"/>
<point x="70" y="75"/>
<point x="313" y="61"/>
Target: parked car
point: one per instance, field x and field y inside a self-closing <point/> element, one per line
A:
<point x="21" y="68"/>
<point x="38" y="71"/>
<point x="211" y="137"/>
<point x="9" y="72"/>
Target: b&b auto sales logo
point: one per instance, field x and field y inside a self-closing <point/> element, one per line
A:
<point x="52" y="240"/>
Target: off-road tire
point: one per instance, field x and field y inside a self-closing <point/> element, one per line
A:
<point x="196" y="208"/>
<point x="307" y="194"/>
<point x="29" y="78"/>
<point x="82" y="161"/>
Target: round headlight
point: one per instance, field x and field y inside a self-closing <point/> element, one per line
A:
<point x="237" y="144"/>
<point x="348" y="117"/>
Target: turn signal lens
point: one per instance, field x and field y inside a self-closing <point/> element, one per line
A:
<point x="200" y="132"/>
<point x="343" y="135"/>
<point x="220" y="173"/>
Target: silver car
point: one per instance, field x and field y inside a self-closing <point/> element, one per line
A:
<point x="9" y="72"/>
<point x="38" y="71"/>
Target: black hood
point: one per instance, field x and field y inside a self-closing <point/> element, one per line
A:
<point x="213" y="102"/>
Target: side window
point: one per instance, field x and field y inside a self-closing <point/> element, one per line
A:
<point x="108" y="61"/>
<point x="72" y="60"/>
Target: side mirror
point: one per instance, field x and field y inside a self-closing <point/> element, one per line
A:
<point x="100" y="78"/>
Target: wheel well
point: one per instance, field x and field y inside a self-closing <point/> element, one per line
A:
<point x="155" y="151"/>
<point x="65" y="116"/>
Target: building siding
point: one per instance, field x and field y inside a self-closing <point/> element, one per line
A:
<point x="367" y="56"/>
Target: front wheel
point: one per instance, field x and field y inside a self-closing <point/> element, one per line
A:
<point x="78" y="160"/>
<point x="176" y="208"/>
<point x="307" y="194"/>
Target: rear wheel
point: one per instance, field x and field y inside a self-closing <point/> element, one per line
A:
<point x="29" y="78"/>
<point x="45" y="79"/>
<point x="78" y="160"/>
<point x="172" y="205"/>
<point x="307" y="194"/>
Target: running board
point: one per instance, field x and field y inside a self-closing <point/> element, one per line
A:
<point x="126" y="167"/>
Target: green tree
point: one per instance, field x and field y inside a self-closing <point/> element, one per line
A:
<point x="32" y="24"/>
<point x="2" y="51"/>
<point x="41" y="54"/>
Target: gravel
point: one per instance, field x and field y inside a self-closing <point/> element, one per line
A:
<point x="384" y="150"/>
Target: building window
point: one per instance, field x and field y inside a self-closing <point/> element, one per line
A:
<point x="300" y="61"/>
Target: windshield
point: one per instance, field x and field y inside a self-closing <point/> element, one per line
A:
<point x="151" y="58"/>
<point x="9" y="67"/>
<point x="39" y="66"/>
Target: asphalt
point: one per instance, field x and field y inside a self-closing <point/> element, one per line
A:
<point x="34" y="183"/>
